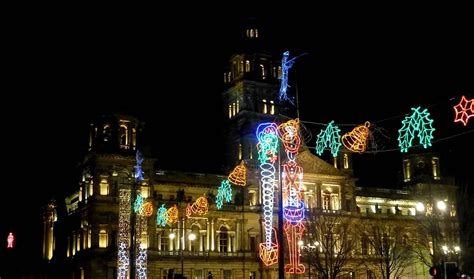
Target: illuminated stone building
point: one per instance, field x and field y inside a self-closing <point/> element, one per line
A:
<point x="81" y="230"/>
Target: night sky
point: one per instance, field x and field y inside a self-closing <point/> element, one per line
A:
<point x="359" y="67"/>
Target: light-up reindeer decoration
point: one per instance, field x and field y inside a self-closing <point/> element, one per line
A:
<point x="267" y="135"/>
<point x="293" y="206"/>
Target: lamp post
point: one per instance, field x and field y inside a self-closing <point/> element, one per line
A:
<point x="308" y="248"/>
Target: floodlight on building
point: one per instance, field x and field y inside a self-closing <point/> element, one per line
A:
<point x="420" y="206"/>
<point x="172" y="236"/>
<point x="441" y="205"/>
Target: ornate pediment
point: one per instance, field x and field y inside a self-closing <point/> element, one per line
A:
<point x="313" y="164"/>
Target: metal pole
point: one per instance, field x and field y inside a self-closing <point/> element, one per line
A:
<point x="133" y="218"/>
<point x="281" y="250"/>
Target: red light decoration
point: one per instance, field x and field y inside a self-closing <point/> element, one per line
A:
<point x="293" y="206"/>
<point x="239" y="175"/>
<point x="464" y="110"/>
<point x="356" y="140"/>
<point x="10" y="240"/>
<point x="294" y="233"/>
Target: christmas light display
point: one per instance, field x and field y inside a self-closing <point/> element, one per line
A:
<point x="267" y="147"/>
<point x="269" y="256"/>
<point x="239" y="175"/>
<point x="140" y="248"/>
<point x="138" y="205"/>
<point x="173" y="215"/>
<point x="147" y="209"/>
<point x="10" y="240"/>
<point x="356" y="140"/>
<point x="293" y="206"/>
<point x="285" y="67"/>
<point x="200" y="206"/>
<point x="123" y="257"/>
<point x="162" y="216"/>
<point x="123" y="260"/>
<point x="224" y="192"/>
<point x="417" y="123"/>
<point x="141" y="263"/>
<point x="464" y="110"/>
<point x="329" y="137"/>
<point x="138" y="167"/>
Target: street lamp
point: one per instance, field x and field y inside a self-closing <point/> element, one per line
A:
<point x="308" y="248"/>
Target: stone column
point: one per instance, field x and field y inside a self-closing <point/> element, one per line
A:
<point x="212" y="235"/>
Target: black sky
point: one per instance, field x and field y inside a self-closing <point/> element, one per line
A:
<point x="61" y="70"/>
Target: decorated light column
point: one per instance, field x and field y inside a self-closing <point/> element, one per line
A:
<point x="293" y="205"/>
<point x="267" y="135"/>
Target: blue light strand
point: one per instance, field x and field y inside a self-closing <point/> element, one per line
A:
<point x="285" y="67"/>
<point x="138" y="167"/>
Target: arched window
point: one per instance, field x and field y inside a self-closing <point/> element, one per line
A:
<point x="194" y="238"/>
<point x="262" y="70"/>
<point x="123" y="132"/>
<point x="265" y="107"/>
<point x="247" y="66"/>
<point x="272" y="107"/>
<point x="107" y="132"/>
<point x="251" y="33"/>
<point x="223" y="240"/>
<point x="256" y="33"/>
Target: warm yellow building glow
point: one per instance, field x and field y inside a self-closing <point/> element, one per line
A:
<point x="240" y="151"/>
<point x="247" y="66"/>
<point x="104" y="187"/>
<point x="265" y="108"/>
<point x="346" y="161"/>
<point x="103" y="238"/>
<point x="272" y="107"/>
<point x="230" y="111"/>
<point x="238" y="106"/>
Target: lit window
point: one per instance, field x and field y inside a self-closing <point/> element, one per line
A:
<point x="80" y="193"/>
<point x="233" y="109"/>
<point x="89" y="238"/>
<point x="73" y="243"/>
<point x="134" y="137"/>
<point x="164" y="244"/>
<point x="104" y="187"/>
<point x="262" y="70"/>
<point x="251" y="33"/>
<point x="78" y="242"/>
<point x="272" y="107"/>
<point x="247" y="66"/>
<point x="241" y="67"/>
<point x="223" y="240"/>
<point x="265" y="109"/>
<point x="279" y="71"/>
<point x="274" y="72"/>
<point x="407" y="170"/>
<point x="248" y="33"/>
<point x="435" y="163"/>
<point x="103" y="238"/>
<point x="240" y="151"/>
<point x="346" y="161"/>
<point x="145" y="191"/>
<point x="107" y="132"/>
<point x="91" y="187"/>
<point x="230" y="111"/>
<point x="238" y="106"/>
<point x="252" y="198"/>
<point x="124" y="136"/>
<point x="229" y="76"/>
<point x="256" y="33"/>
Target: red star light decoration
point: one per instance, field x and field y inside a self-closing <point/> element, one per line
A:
<point x="464" y="110"/>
